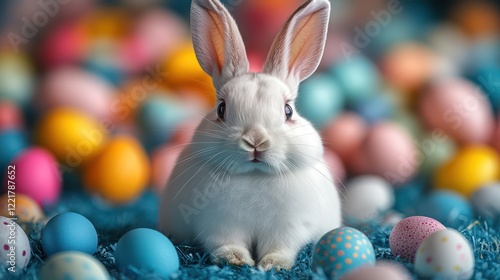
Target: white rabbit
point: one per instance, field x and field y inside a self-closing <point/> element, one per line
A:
<point x="252" y="184"/>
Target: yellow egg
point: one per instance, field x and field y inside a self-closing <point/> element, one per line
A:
<point x="25" y="209"/>
<point x="471" y="168"/>
<point x="120" y="172"/>
<point x="106" y="24"/>
<point x="73" y="137"/>
<point x="185" y="74"/>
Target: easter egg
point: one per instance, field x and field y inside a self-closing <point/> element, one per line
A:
<point x="486" y="78"/>
<point x="379" y="272"/>
<point x="459" y="108"/>
<point x="449" y="208"/>
<point x="26" y="210"/>
<point x="146" y="250"/>
<point x="63" y="45"/>
<point x="357" y="78"/>
<point x="35" y="173"/>
<point x="335" y="165"/>
<point x="10" y="116"/>
<point x="345" y="134"/>
<point x="16" y="79"/>
<point x="12" y="142"/>
<point x="342" y="250"/>
<point x="472" y="167"/>
<point x="79" y="137"/>
<point x="163" y="162"/>
<point x="73" y="265"/>
<point x="374" y="109"/>
<point x="476" y="19"/>
<point x="103" y="61"/>
<point x="69" y="232"/>
<point x="485" y="201"/>
<point x="319" y="100"/>
<point x="182" y="72"/>
<point x="408" y="234"/>
<point x="13" y="255"/>
<point x="78" y="89"/>
<point x="407" y="196"/>
<point x="120" y="172"/>
<point x="110" y="24"/>
<point x="390" y="152"/>
<point x="436" y="149"/>
<point x="366" y="197"/>
<point x="158" y="117"/>
<point x="445" y="254"/>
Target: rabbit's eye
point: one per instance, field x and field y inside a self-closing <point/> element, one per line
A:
<point x="288" y="112"/>
<point x="221" y="110"/>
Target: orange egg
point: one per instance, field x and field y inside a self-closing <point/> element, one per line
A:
<point x="345" y="134"/>
<point x="477" y="18"/>
<point x="106" y="24"/>
<point x="26" y="210"/>
<point x="120" y="172"/>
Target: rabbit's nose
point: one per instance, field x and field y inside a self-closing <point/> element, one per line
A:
<point x="255" y="138"/>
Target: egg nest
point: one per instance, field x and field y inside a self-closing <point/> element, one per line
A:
<point x="112" y="222"/>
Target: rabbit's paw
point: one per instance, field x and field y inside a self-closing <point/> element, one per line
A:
<point x="233" y="254"/>
<point x="276" y="260"/>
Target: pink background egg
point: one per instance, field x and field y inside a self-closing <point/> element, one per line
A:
<point x="335" y="165"/>
<point x="163" y="163"/>
<point x="460" y="109"/>
<point x="64" y="44"/>
<point x="409" y="233"/>
<point x="10" y="116"/>
<point x="379" y="272"/>
<point x="37" y="176"/>
<point x="391" y="152"/>
<point x="496" y="139"/>
<point x="71" y="87"/>
<point x="345" y="134"/>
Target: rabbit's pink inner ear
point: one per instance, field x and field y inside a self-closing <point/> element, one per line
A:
<point x="298" y="47"/>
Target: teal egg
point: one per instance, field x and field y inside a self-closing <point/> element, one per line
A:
<point x="342" y="250"/>
<point x="449" y="208"/>
<point x="12" y="142"/>
<point x="319" y="100"/>
<point x="357" y="77"/>
<point x="146" y="250"/>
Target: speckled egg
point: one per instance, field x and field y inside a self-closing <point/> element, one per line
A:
<point x="342" y="250"/>
<point x="345" y="134"/>
<point x="366" y="197"/>
<point x="449" y="208"/>
<point x="382" y="271"/>
<point x="27" y="210"/>
<point x="445" y="254"/>
<point x="471" y="168"/>
<point x="18" y="254"/>
<point x="120" y="172"/>
<point x="69" y="232"/>
<point x="73" y="266"/>
<point x="485" y="201"/>
<point x="409" y="233"/>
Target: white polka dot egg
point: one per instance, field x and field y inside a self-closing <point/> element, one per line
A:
<point x="445" y="254"/>
<point x="16" y="250"/>
<point x="72" y="265"/>
<point x="342" y="250"/>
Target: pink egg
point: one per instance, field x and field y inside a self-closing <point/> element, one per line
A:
<point x="63" y="45"/>
<point x="390" y="152"/>
<point x="460" y="109"/>
<point x="345" y="134"/>
<point x="10" y="116"/>
<point x="357" y="163"/>
<point x="163" y="163"/>
<point x="379" y="272"/>
<point x="335" y="165"/>
<point x="409" y="233"/>
<point x="36" y="175"/>
<point x="75" y="88"/>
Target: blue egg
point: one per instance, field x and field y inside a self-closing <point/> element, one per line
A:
<point x="342" y="250"/>
<point x="12" y="142"/>
<point x="148" y="251"/>
<point x="357" y="77"/>
<point x="374" y="109"/>
<point x="319" y="100"/>
<point x="449" y="208"/>
<point x="158" y="117"/>
<point x="408" y="196"/>
<point x="488" y="78"/>
<point x="69" y="232"/>
<point x="107" y="71"/>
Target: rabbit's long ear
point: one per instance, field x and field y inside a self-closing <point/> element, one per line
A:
<point x="217" y="41"/>
<point x="298" y="47"/>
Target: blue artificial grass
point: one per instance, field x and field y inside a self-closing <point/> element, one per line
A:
<point x="112" y="222"/>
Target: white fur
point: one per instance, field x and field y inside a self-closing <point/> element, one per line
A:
<point x="239" y="210"/>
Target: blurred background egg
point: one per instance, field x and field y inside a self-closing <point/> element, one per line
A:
<point x="79" y="136"/>
<point x="445" y="254"/>
<point x="69" y="231"/>
<point x="485" y="201"/>
<point x="345" y="134"/>
<point x="16" y="78"/>
<point x="408" y="234"/>
<point x="146" y="250"/>
<point x="334" y="163"/>
<point x="10" y="116"/>
<point x="73" y="265"/>
<point x="163" y="161"/>
<point x="36" y="175"/>
<point x="63" y="45"/>
<point x="120" y="172"/>
<point x="319" y="100"/>
<point x="26" y="211"/>
<point x="12" y="142"/>
<point x="342" y="250"/>
<point x="21" y="249"/>
<point x="407" y="196"/>
<point x="379" y="272"/>
<point x="449" y="208"/>
<point x="374" y="109"/>
<point x="366" y="197"/>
